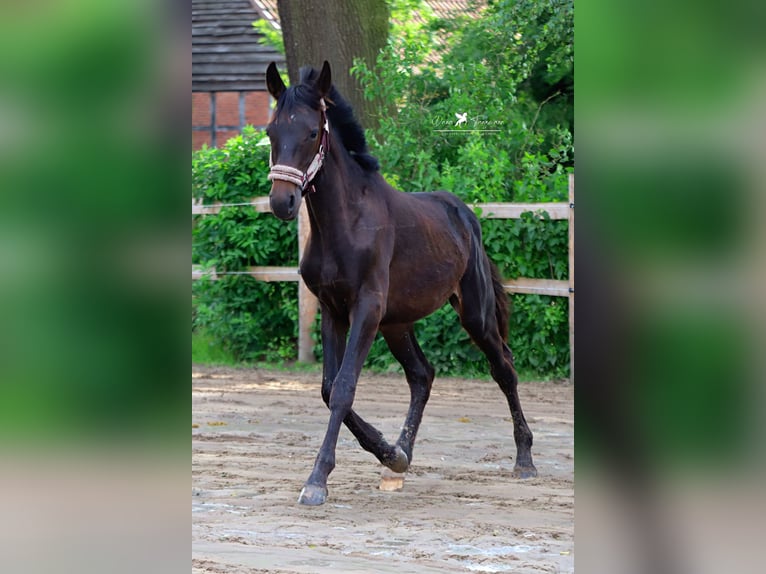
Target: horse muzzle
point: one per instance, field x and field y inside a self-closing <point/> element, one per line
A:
<point x="285" y="199"/>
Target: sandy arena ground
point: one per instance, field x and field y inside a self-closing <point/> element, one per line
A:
<point x="255" y="435"/>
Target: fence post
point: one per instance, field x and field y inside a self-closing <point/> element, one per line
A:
<point x="571" y="277"/>
<point x="307" y="303"/>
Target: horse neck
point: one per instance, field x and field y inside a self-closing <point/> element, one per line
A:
<point x="332" y="206"/>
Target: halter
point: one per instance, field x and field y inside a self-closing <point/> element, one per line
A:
<point x="296" y="176"/>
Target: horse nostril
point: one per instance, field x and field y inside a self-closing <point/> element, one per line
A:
<point x="292" y="202"/>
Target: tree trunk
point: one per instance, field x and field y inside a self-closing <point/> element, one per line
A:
<point x="337" y="31"/>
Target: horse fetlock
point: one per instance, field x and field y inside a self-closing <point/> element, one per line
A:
<point x="398" y="461"/>
<point x="523" y="438"/>
<point x="324" y="466"/>
<point x="524" y="471"/>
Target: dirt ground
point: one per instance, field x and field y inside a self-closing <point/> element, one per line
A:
<point x="255" y="435"/>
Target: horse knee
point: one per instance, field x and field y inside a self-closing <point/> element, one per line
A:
<point x="341" y="397"/>
<point x="326" y="392"/>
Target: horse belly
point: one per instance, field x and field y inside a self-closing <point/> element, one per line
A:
<point x="430" y="257"/>
<point x="416" y="293"/>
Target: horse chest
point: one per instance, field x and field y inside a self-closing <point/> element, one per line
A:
<point x="336" y="267"/>
<point x="327" y="278"/>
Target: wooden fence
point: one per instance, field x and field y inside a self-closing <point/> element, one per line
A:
<point x="307" y="303"/>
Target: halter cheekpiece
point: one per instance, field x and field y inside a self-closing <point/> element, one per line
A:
<point x="296" y="176"/>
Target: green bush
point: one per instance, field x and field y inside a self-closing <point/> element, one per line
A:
<point x="509" y="70"/>
<point x="251" y="319"/>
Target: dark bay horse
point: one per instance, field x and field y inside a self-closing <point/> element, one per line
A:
<point x="378" y="260"/>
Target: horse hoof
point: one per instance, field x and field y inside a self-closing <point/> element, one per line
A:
<point x="524" y="471"/>
<point x="399" y="464"/>
<point x="312" y="495"/>
<point x="391" y="481"/>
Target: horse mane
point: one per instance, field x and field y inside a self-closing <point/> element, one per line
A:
<point x="339" y="113"/>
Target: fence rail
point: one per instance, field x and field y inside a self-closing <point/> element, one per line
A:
<point x="552" y="287"/>
<point x="260" y="204"/>
<point x="268" y="274"/>
<point x="488" y="210"/>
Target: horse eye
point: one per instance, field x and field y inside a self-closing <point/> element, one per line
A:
<point x="313" y="134"/>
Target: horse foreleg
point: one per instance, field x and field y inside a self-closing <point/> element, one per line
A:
<point x="371" y="439"/>
<point x="364" y="326"/>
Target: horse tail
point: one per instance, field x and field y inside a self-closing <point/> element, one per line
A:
<point x="480" y="263"/>
<point x="501" y="301"/>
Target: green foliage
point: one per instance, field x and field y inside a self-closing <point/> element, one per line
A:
<point x="510" y="72"/>
<point x="539" y="334"/>
<point x="532" y="246"/>
<point x="206" y="351"/>
<point x="252" y="320"/>
<point x="271" y="36"/>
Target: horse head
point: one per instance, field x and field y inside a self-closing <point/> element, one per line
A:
<point x="299" y="135"/>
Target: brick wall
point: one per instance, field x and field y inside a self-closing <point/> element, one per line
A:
<point x="218" y="116"/>
<point x="257" y="108"/>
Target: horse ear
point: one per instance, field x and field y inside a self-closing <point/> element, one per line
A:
<point x="324" y="81"/>
<point x="274" y="82"/>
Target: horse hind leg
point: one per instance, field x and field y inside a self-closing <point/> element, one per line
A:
<point x="481" y="316"/>
<point x="420" y="376"/>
